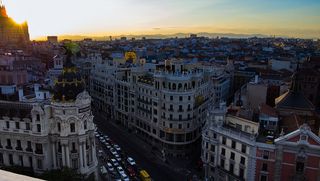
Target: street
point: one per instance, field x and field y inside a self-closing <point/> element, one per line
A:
<point x="140" y="151"/>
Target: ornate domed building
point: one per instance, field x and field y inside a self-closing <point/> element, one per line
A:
<point x="72" y="120"/>
<point x="44" y="134"/>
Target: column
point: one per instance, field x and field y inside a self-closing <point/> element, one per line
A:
<point x="68" y="156"/>
<point x="81" y="155"/>
<point x="63" y="155"/>
<point x="94" y="156"/>
<point x="84" y="156"/>
<point x="54" y="155"/>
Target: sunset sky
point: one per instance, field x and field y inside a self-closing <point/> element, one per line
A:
<point x="298" y="18"/>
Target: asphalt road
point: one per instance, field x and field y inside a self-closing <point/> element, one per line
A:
<point x="139" y="151"/>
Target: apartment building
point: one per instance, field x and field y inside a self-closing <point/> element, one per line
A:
<point x="165" y="102"/>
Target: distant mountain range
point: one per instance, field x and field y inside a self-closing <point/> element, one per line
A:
<point x="159" y="36"/>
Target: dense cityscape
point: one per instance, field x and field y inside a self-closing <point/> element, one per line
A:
<point x="170" y="109"/>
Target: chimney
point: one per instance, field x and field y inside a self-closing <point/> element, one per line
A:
<point x="20" y="94"/>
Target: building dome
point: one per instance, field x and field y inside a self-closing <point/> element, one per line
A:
<point x="69" y="83"/>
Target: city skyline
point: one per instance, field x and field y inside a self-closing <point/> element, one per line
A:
<point x="291" y="18"/>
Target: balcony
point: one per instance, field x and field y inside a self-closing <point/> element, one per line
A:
<point x="29" y="149"/>
<point x="39" y="152"/>
<point x="74" y="151"/>
<point x="9" y="147"/>
<point x="19" y="148"/>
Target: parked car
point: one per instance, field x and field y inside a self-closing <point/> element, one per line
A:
<point x="124" y="177"/>
<point x="114" y="162"/>
<point x="117" y="147"/>
<point x="131" y="161"/>
<point x="131" y="171"/>
<point x="109" y="167"/>
<point x="120" y="170"/>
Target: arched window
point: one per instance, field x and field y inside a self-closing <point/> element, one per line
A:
<point x="179" y="86"/>
<point x="85" y="124"/>
<point x="185" y="86"/>
<point x="174" y="86"/>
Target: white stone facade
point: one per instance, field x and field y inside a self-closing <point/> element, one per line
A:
<point x="52" y="135"/>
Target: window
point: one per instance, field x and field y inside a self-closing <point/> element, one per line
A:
<point x="17" y="125"/>
<point x="170" y="125"/>
<point x="21" y="160"/>
<point x="243" y="148"/>
<point x="212" y="158"/>
<point x="189" y="98"/>
<point x="180" y="126"/>
<point x="8" y="124"/>
<point x="1" y="159"/>
<point x="212" y="148"/>
<point x="18" y="145"/>
<point x="38" y="117"/>
<point x="72" y="127"/>
<point x="241" y="172"/>
<point x="10" y="159"/>
<point x="231" y="167"/>
<point x="266" y="154"/>
<point x="180" y="98"/>
<point x="224" y="140"/>
<point x="233" y="144"/>
<point x="38" y="128"/>
<point x="28" y="126"/>
<point x="243" y="160"/>
<point x="39" y="164"/>
<point x="223" y="151"/>
<point x="59" y="127"/>
<point x="9" y="144"/>
<point x="171" y="98"/>
<point x="264" y="167"/>
<point x="263" y="178"/>
<point x="155" y="112"/>
<point x="299" y="167"/>
<point x="29" y="147"/>
<point x="232" y="155"/>
<point x="75" y="163"/>
<point x="222" y="163"/>
<point x="85" y="124"/>
<point x="73" y="148"/>
<point x="39" y="148"/>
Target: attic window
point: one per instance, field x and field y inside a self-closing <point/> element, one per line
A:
<point x="303" y="137"/>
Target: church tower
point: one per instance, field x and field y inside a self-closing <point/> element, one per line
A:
<point x="13" y="35"/>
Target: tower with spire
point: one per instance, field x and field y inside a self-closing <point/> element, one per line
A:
<point x="3" y="11"/>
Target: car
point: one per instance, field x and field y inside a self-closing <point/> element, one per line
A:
<point x="114" y="162"/>
<point x="131" y="171"/>
<point x="117" y="147"/>
<point x="120" y="170"/>
<point x="131" y="161"/>
<point x="124" y="177"/>
<point x="109" y="167"/>
<point x="113" y="151"/>
<point x="108" y="146"/>
<point x="118" y="158"/>
<point x="100" y="153"/>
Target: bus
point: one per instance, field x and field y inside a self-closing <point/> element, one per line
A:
<point x="144" y="176"/>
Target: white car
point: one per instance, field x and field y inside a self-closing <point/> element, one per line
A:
<point x="109" y="167"/>
<point x="114" y="152"/>
<point x="120" y="170"/>
<point x="131" y="161"/>
<point x="117" y="147"/>
<point x="124" y="177"/>
<point x="114" y="162"/>
<point x="118" y="158"/>
<point x="100" y="153"/>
